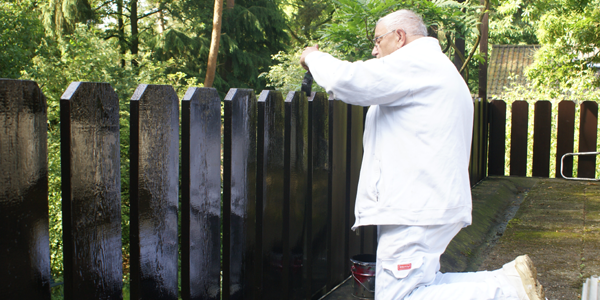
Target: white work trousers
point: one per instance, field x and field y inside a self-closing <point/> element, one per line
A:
<point x="408" y="264"/>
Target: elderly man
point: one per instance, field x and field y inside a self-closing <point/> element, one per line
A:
<point x="414" y="181"/>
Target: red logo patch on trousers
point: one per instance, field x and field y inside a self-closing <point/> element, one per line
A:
<point x="404" y="267"/>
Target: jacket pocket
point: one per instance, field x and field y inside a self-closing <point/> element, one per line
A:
<point x="401" y="267"/>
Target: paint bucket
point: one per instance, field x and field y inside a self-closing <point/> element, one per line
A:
<point x="363" y="271"/>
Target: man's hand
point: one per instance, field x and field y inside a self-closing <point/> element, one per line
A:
<point x="306" y="52"/>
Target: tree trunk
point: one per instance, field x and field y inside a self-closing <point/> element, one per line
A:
<point x="459" y="55"/>
<point x="214" y="44"/>
<point x="230" y="4"/>
<point x="135" y="41"/>
<point x="161" y="22"/>
<point x="459" y="52"/>
<point x="483" y="49"/>
<point x="121" y="31"/>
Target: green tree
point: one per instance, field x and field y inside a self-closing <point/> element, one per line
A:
<point x="62" y="16"/>
<point x="569" y="59"/>
<point x="20" y="33"/>
<point x="307" y="18"/>
<point x="251" y="32"/>
<point x="354" y="22"/>
<point x="569" y="34"/>
<point x="350" y="33"/>
<point x="513" y="22"/>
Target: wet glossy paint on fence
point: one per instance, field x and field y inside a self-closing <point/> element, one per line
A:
<point x="24" y="254"/>
<point x="91" y="191"/>
<point x="319" y="184"/>
<point x="241" y="212"/>
<point x="201" y="194"/>
<point x="154" y="192"/>
<point x="338" y="244"/>
<point x="354" y="159"/>
<point x="271" y="126"/>
<point x="286" y="234"/>
<point x="296" y="192"/>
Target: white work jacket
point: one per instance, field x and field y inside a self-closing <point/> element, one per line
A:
<point x="417" y="138"/>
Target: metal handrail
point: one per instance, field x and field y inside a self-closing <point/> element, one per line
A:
<point x="573" y="154"/>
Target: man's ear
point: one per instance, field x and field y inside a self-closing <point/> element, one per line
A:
<point x="401" y="38"/>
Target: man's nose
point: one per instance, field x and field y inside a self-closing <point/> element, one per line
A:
<point x="375" y="51"/>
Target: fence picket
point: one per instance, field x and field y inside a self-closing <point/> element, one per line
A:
<point x="319" y="168"/>
<point x="270" y="184"/>
<point x="565" y="135"/>
<point x="241" y="211"/>
<point x="154" y="192"/>
<point x="296" y="191"/>
<point x="483" y="138"/>
<point x="369" y="232"/>
<point x="338" y="244"/>
<point x="541" y="139"/>
<point x="354" y="154"/>
<point x="91" y="191"/>
<point x="497" y="136"/>
<point x="588" y="131"/>
<point x="474" y="159"/>
<point x="25" y="251"/>
<point x="201" y="194"/>
<point x="518" y="145"/>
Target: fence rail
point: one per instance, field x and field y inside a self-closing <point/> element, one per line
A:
<point x="290" y="172"/>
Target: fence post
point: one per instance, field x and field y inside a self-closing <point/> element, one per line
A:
<point x="91" y="191"/>
<point x="241" y="273"/>
<point x="201" y="194"/>
<point x="319" y="167"/>
<point x="25" y="250"/>
<point x="296" y="193"/>
<point x="154" y="192"/>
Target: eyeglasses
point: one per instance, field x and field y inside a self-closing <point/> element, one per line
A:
<point x="378" y="39"/>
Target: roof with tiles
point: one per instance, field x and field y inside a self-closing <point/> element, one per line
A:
<point x="507" y="65"/>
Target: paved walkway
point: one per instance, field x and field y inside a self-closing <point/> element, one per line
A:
<point x="558" y="226"/>
<point x="555" y="221"/>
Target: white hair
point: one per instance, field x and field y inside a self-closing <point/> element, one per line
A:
<point x="407" y="20"/>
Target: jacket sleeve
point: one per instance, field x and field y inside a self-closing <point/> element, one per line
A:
<point x="372" y="82"/>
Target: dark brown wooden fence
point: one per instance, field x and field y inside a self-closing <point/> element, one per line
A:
<point x="542" y="138"/>
<point x="290" y="171"/>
